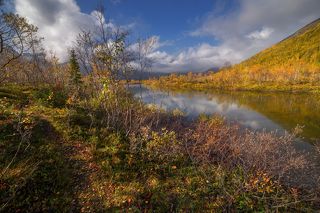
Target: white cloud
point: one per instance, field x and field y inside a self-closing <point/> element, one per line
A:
<point x="264" y="33"/>
<point x="198" y="58"/>
<point x="151" y="44"/>
<point x="59" y="22"/>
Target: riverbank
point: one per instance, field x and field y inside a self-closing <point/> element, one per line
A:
<point x="207" y="86"/>
<point x="112" y="153"/>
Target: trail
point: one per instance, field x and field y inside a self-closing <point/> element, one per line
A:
<point x="85" y="173"/>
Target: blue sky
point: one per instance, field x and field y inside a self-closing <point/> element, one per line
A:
<point x="171" y="19"/>
<point x="190" y="35"/>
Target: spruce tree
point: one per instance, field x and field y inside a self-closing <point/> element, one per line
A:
<point x="75" y="74"/>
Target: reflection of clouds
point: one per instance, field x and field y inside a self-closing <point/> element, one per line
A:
<point x="195" y="104"/>
<point x="251" y="124"/>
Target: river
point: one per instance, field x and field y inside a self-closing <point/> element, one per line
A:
<point x="253" y="110"/>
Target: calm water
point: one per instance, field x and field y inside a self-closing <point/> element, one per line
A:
<point x="259" y="111"/>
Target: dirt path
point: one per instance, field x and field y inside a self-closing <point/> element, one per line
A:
<point x="85" y="174"/>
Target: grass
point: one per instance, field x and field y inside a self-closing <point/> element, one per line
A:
<point x="28" y="183"/>
<point x="86" y="157"/>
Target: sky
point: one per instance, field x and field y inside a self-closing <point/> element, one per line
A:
<point x="190" y="35"/>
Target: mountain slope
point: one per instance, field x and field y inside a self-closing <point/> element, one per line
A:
<point x="294" y="60"/>
<point x="304" y="45"/>
<point x="293" y="64"/>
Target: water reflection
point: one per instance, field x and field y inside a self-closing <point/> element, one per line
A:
<point x="269" y="111"/>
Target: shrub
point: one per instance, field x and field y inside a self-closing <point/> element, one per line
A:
<point x="54" y="97"/>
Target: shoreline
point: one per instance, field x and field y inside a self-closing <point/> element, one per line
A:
<point x="298" y="89"/>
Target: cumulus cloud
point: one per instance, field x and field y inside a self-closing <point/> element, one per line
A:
<point x="198" y="58"/>
<point x="59" y="22"/>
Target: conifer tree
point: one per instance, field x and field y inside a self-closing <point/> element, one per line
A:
<point x="75" y="74"/>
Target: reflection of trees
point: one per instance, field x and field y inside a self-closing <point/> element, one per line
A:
<point x="286" y="109"/>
